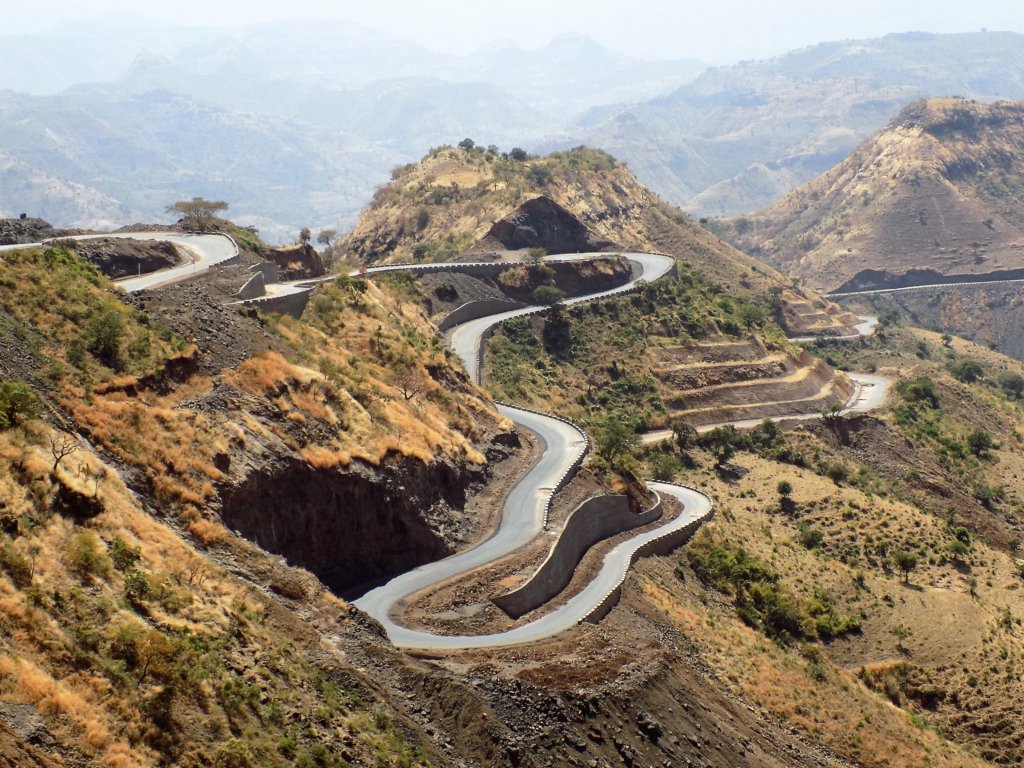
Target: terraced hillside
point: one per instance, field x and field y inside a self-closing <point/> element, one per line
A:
<point x="719" y="379"/>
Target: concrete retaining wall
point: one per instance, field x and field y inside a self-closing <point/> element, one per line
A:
<point x="661" y="545"/>
<point x="290" y="304"/>
<point x="479" y="269"/>
<point x="254" y="288"/>
<point x="473" y="310"/>
<point x="269" y="270"/>
<point x="592" y="521"/>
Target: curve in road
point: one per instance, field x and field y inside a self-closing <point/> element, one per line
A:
<point x="525" y="509"/>
<point x="523" y="514"/>
<point x="204" y="251"/>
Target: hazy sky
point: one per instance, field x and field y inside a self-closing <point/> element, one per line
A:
<point x="717" y="31"/>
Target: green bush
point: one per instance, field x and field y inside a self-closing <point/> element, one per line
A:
<point x="968" y="371"/>
<point x="1012" y="384"/>
<point x="810" y="537"/>
<point x="17" y="402"/>
<point x="920" y="390"/>
<point x="547" y="295"/>
<point x="233" y="754"/>
<point x="123" y="556"/>
<point x="86" y="556"/>
<point x="104" y="338"/>
<point x="980" y="442"/>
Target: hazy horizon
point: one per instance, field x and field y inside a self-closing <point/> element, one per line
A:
<point x="720" y="33"/>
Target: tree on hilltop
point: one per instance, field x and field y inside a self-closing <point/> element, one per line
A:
<point x="305" y="235"/>
<point x="197" y="214"/>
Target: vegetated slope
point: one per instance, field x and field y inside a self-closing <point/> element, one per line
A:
<point x="137" y="630"/>
<point x="788" y="625"/>
<point x="935" y="195"/>
<point x="461" y="199"/>
<point x="739" y="137"/>
<point x="938" y="633"/>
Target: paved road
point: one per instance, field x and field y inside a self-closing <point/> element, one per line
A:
<point x="613" y="570"/>
<point x="201" y="251"/>
<point x="929" y="287"/>
<point x="866" y="327"/>
<point x="465" y="339"/>
<point x="523" y="513"/>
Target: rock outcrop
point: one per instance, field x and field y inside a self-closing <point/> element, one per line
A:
<point x="543" y="223"/>
<point x="116" y="258"/>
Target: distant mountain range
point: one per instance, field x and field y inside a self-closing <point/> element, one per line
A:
<point x="296" y="128"/>
<point x="292" y="128"/>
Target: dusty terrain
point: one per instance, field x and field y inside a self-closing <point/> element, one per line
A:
<point x="936" y="191"/>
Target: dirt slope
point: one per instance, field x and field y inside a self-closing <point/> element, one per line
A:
<point x="938" y="193"/>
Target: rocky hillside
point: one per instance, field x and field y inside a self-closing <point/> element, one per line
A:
<point x="137" y="439"/>
<point x="936" y="195"/>
<point x="740" y="137"/>
<point x="458" y="199"/>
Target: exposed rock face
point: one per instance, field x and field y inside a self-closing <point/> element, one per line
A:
<point x="348" y="527"/>
<point x="27" y="230"/>
<point x="297" y="262"/>
<point x="543" y="223"/>
<point x="115" y="257"/>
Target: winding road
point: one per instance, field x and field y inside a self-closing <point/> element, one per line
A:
<point x="524" y="511"/>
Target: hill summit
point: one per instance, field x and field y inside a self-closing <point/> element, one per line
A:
<point x="936" y="194"/>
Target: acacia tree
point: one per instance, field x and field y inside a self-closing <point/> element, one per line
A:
<point x="326" y="236"/>
<point x="906" y="562"/>
<point x="197" y="214"/>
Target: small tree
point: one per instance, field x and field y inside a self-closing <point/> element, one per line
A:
<point x="518" y="154"/>
<point x="906" y="562"/>
<point x="62" y="445"/>
<point x="1012" y="384"/>
<point x="104" y="338"/>
<point x="785" y="489"/>
<point x="615" y="437"/>
<point x="535" y="257"/>
<point x="980" y="442"/>
<point x="197" y="214"/>
<point x="326" y="236"/>
<point x="721" y="442"/>
<point x="685" y="435"/>
<point x="901" y="633"/>
<point x="305" y="235"/>
<point x="467" y="143"/>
